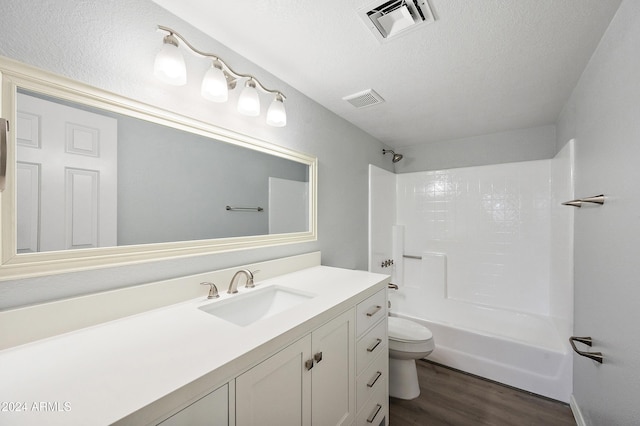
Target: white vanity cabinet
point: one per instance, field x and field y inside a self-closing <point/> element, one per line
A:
<point x="212" y="409"/>
<point x="310" y="382"/>
<point x="372" y="361"/>
<point x="297" y="366"/>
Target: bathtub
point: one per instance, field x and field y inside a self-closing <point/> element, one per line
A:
<point x="521" y="350"/>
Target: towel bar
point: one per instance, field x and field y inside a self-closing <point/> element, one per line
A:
<point x="257" y="209"/>
<point x="596" y="199"/>
<point x="596" y="356"/>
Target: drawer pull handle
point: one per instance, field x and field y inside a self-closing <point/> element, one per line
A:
<point x="318" y="357"/>
<point x="375" y="345"/>
<point x="374" y="413"/>
<point x="308" y="364"/>
<point x="374" y="311"/>
<point x="373" y="381"/>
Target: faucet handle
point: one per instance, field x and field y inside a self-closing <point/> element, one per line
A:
<point x="213" y="290"/>
<point x="250" y="283"/>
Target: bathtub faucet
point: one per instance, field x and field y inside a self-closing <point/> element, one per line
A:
<point x="393" y="286"/>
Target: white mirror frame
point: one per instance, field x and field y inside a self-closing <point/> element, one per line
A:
<point x="16" y="75"/>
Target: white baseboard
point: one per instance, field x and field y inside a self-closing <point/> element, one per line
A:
<point x="577" y="414"/>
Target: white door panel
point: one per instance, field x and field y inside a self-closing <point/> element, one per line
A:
<point x="75" y="152"/>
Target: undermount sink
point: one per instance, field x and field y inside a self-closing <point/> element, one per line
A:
<point x="247" y="308"/>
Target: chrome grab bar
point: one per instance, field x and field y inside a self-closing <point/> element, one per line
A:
<point x="408" y="256"/>
<point x="596" y="356"/>
<point x="596" y="199"/>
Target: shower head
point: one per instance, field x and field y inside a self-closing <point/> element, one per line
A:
<point x="396" y="157"/>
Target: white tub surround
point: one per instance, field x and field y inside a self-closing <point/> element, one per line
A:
<point x="483" y="257"/>
<point x="142" y="368"/>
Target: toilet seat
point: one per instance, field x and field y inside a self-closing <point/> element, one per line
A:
<point x="404" y="330"/>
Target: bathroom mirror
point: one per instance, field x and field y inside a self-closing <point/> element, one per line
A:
<point x="95" y="179"/>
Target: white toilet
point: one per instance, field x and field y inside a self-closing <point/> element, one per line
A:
<point x="408" y="341"/>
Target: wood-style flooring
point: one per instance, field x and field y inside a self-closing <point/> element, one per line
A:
<point x="454" y="398"/>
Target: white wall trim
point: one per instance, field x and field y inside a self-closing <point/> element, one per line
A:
<point x="575" y="409"/>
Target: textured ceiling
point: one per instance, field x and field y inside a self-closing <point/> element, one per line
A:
<point x="483" y="66"/>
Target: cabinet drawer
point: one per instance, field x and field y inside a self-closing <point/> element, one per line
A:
<point x="374" y="377"/>
<point x="375" y="410"/>
<point x="370" y="345"/>
<point x="212" y="409"/>
<point x="369" y="311"/>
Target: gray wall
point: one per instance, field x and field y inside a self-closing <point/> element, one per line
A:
<point x="536" y="143"/>
<point x="111" y="45"/>
<point x="603" y="115"/>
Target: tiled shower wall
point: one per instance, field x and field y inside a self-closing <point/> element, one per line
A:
<point x="493" y="223"/>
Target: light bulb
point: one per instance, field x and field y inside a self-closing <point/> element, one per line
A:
<point x="276" y="114"/>
<point x="169" y="65"/>
<point x="249" y="100"/>
<point x="214" y="85"/>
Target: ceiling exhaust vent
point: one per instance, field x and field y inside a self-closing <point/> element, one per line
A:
<point x="364" y="99"/>
<point x="389" y="19"/>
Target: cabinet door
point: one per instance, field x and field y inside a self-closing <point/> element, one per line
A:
<point x="278" y="390"/>
<point x="333" y="376"/>
<point x="212" y="409"/>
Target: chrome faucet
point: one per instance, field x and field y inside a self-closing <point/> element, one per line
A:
<point x="233" y="285"/>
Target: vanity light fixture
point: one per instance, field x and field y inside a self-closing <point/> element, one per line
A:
<point x="214" y="84"/>
<point x="276" y="115"/>
<point x="249" y="100"/>
<point x="169" y="65"/>
<point x="218" y="79"/>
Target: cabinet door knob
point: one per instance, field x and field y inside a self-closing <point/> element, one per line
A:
<point x="308" y="364"/>
<point x="318" y="357"/>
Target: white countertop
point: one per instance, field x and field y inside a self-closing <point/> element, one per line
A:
<point x="101" y="374"/>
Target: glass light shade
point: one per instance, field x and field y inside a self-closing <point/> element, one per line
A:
<point x="169" y="65"/>
<point x="276" y="114"/>
<point x="214" y="85"/>
<point x="249" y="101"/>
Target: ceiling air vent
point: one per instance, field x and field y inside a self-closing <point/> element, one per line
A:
<point x="364" y="99"/>
<point x="389" y="19"/>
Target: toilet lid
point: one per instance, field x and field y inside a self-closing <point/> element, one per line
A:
<point x="408" y="331"/>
